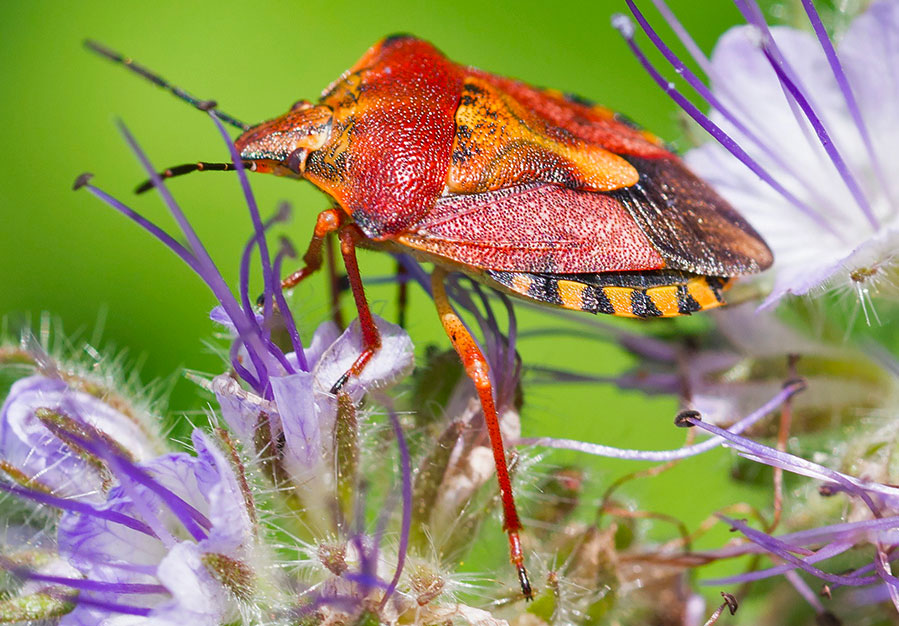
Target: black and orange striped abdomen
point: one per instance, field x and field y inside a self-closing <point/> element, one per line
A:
<point x="658" y="293"/>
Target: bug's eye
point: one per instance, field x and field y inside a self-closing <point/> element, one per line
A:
<point x="296" y="162"/>
<point x="299" y="105"/>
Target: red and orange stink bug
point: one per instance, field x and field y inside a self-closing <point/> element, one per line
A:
<point x="530" y="191"/>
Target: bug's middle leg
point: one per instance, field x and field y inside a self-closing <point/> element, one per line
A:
<point x="479" y="372"/>
<point x="349" y="234"/>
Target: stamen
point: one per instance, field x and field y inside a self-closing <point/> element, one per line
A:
<point x="827" y="552"/>
<point x="786" y="552"/>
<point x="684" y="36"/>
<point x="715" y="131"/>
<point x="281" y="215"/>
<point x="111" y="607"/>
<point x="769" y="456"/>
<point x="662" y="455"/>
<point x="208" y="270"/>
<point x="406" y="526"/>
<point x="287" y="250"/>
<point x="83" y="584"/>
<point x="254" y="216"/>
<point x="848" y="95"/>
<point x="193" y="521"/>
<point x="826" y="142"/>
<point x="170" y="242"/>
<point x="82" y="508"/>
<point x="716" y="103"/>
<point x="796" y="91"/>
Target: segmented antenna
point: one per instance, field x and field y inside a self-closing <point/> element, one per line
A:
<point x="203" y="105"/>
<point x="187" y="168"/>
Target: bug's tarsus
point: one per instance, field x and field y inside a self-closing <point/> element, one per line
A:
<point x="187" y="168"/>
<point x="156" y="79"/>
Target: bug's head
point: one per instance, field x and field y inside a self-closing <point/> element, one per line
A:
<point x="278" y="146"/>
<point x="281" y="146"/>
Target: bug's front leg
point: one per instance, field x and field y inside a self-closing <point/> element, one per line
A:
<point x="328" y="222"/>
<point x="479" y="372"/>
<point x="349" y="234"/>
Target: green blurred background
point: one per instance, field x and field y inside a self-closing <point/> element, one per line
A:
<point x="67" y="254"/>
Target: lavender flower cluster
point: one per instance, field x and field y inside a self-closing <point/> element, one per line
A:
<point x="274" y="515"/>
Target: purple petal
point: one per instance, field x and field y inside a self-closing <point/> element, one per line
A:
<point x="300" y="419"/>
<point x="232" y="528"/>
<point x="391" y="362"/>
<point x="241" y="409"/>
<point x="25" y="443"/>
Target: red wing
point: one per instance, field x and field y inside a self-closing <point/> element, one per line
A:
<point x="535" y="228"/>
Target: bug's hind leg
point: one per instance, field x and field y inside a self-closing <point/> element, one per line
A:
<point x="478" y="371"/>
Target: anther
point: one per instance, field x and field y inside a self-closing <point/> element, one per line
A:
<point x="82" y="180"/>
<point x="682" y="419"/>
<point x="730" y="601"/>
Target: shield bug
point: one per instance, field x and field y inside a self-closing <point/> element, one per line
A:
<point x="531" y="191"/>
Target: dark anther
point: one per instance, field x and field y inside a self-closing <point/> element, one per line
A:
<point x="340" y="383"/>
<point x="682" y="419"/>
<point x="734" y="529"/>
<point x="795" y="385"/>
<point x="730" y="601"/>
<point x="827" y="619"/>
<point x="343" y="283"/>
<point x="82" y="180"/>
<point x="525" y="584"/>
<point x="827" y="490"/>
<point x="207" y="105"/>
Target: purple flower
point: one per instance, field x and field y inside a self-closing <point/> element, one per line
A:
<point x="39" y="458"/>
<point x="805" y="135"/>
<point x="188" y="562"/>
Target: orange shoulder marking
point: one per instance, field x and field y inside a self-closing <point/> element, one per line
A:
<point x="499" y="143"/>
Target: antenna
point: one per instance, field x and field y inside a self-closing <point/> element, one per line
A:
<point x="187" y="168"/>
<point x="203" y="105"/>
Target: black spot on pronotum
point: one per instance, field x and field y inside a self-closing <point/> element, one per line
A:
<point x="682" y="419"/>
<point x="81" y="181"/>
<point x="730" y="601"/>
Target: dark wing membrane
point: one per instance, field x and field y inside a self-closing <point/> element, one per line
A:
<point x="654" y="293"/>
<point x="692" y="227"/>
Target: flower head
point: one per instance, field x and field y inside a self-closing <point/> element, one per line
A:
<point x="805" y="129"/>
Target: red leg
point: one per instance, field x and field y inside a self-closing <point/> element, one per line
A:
<point x="478" y="371"/>
<point x="371" y="338"/>
<point x="333" y="283"/>
<point x="328" y="222"/>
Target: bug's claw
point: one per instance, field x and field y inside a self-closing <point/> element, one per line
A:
<point x="340" y="383"/>
<point x="525" y="583"/>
